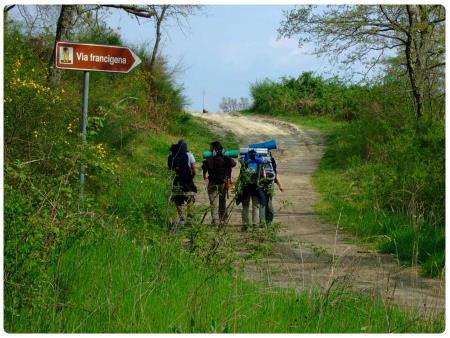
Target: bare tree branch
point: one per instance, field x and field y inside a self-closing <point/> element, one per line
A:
<point x="143" y="11"/>
<point x="8" y="8"/>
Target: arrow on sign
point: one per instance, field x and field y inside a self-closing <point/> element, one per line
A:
<point x="90" y="57"/>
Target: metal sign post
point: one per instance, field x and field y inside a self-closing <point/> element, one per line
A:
<point x="90" y="57"/>
<point x="84" y="126"/>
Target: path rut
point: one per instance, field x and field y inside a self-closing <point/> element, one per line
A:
<point x="310" y="252"/>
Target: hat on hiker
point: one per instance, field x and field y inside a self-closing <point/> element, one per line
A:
<point x="216" y="146"/>
<point x="183" y="146"/>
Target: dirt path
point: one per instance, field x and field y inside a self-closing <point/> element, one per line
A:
<point x="311" y="253"/>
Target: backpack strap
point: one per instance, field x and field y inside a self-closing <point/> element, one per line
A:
<point x="210" y="161"/>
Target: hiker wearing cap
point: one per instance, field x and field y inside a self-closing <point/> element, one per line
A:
<point x="217" y="169"/>
<point x="182" y="162"/>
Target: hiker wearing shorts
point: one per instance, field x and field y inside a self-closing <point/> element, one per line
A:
<point x="217" y="170"/>
<point x="182" y="163"/>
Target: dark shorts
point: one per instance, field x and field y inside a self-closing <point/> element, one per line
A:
<point x="183" y="193"/>
<point x="181" y="198"/>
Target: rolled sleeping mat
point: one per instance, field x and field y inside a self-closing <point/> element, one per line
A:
<point x="272" y="144"/>
<point x="207" y="154"/>
<point x="258" y="150"/>
<point x="230" y="153"/>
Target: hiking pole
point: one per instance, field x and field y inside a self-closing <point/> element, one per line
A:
<point x="207" y="209"/>
<point x="229" y="209"/>
<point x="231" y="205"/>
<point x="204" y="215"/>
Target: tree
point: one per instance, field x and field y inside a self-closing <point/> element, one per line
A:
<point x="6" y="9"/>
<point x="163" y="13"/>
<point x="366" y="33"/>
<point x="229" y="104"/>
<point x="244" y="103"/>
<point x="63" y="29"/>
<point x="159" y="14"/>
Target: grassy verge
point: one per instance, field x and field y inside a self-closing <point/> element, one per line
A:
<point x="113" y="283"/>
<point x="346" y="184"/>
<point x="130" y="274"/>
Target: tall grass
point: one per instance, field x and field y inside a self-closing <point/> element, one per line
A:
<point x="390" y="166"/>
<point x="114" y="283"/>
<point x="130" y="273"/>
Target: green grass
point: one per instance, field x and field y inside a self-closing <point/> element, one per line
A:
<point x="116" y="265"/>
<point x="346" y="184"/>
<point x="129" y="274"/>
<point x="142" y="184"/>
<point x="114" y="283"/>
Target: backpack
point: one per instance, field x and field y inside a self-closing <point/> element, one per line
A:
<point x="218" y="169"/>
<point x="269" y="171"/>
<point x="250" y="166"/>
<point x="180" y="164"/>
<point x="260" y="168"/>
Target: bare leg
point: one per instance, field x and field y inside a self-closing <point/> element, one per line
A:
<point x="180" y="212"/>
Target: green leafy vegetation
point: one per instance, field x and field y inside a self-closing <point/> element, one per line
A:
<point x="390" y="166"/>
<point x="113" y="263"/>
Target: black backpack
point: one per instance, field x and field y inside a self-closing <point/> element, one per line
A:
<point x="218" y="169"/>
<point x="180" y="164"/>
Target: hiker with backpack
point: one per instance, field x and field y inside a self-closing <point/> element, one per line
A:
<point x="250" y="190"/>
<point x="269" y="178"/>
<point x="217" y="170"/>
<point x="182" y="162"/>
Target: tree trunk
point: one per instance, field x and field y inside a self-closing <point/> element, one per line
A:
<point x="5" y="17"/>
<point x="414" y="64"/>
<point x="159" y="20"/>
<point x="416" y="90"/>
<point x="63" y="30"/>
<point x="155" y="47"/>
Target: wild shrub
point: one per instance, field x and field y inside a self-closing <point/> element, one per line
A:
<point x="43" y="215"/>
<point x="307" y="95"/>
<point x="392" y="169"/>
<point x="390" y="162"/>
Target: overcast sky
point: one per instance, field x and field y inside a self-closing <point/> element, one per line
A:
<point x="225" y="49"/>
